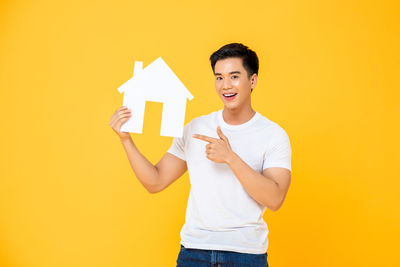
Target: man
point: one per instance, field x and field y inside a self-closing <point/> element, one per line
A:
<point x="239" y="164"/>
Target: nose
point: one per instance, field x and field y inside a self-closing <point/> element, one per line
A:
<point x="227" y="84"/>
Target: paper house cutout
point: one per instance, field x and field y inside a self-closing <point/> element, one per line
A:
<point x="156" y="83"/>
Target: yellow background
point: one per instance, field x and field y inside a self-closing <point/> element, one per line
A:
<point x="329" y="75"/>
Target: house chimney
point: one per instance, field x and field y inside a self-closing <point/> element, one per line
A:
<point x="138" y="68"/>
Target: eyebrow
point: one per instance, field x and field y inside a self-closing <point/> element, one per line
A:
<point x="232" y="72"/>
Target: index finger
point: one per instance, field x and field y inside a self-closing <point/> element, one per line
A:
<point x="204" y="138"/>
<point x="113" y="116"/>
<point x="119" y="109"/>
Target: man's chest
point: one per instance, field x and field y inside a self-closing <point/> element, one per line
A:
<point x="250" y="147"/>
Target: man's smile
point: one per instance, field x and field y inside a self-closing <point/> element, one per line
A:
<point x="229" y="96"/>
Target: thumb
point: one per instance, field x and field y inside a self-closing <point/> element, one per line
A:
<point x="221" y="135"/>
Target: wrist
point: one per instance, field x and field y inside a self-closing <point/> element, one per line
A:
<point x="125" y="138"/>
<point x="231" y="158"/>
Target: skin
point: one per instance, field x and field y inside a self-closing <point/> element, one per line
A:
<point x="268" y="188"/>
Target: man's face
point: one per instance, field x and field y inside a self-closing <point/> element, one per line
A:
<point x="232" y="83"/>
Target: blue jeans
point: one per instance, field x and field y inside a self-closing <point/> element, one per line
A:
<point x="189" y="257"/>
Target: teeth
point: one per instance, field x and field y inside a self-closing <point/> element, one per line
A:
<point x="229" y="94"/>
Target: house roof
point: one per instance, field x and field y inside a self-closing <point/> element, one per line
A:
<point x="157" y="73"/>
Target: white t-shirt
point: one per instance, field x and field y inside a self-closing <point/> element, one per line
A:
<point x="220" y="214"/>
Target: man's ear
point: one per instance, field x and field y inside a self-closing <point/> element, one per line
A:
<point x="253" y="81"/>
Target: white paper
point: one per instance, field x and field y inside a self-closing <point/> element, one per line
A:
<point x="156" y="83"/>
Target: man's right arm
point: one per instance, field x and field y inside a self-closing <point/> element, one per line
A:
<point x="154" y="178"/>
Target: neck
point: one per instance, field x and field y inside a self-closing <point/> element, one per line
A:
<point x="238" y="116"/>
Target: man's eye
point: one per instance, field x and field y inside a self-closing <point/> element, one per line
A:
<point x="219" y="78"/>
<point x="235" y="76"/>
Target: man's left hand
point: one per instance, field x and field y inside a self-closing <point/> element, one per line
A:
<point x="217" y="150"/>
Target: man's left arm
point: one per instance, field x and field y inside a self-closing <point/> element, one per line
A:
<point x="268" y="188"/>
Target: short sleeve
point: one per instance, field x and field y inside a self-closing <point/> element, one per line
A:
<point x="178" y="144"/>
<point x="279" y="153"/>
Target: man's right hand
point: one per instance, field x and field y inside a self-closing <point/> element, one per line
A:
<point x="120" y="116"/>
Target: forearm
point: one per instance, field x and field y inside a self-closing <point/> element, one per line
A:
<point x="144" y="170"/>
<point x="261" y="188"/>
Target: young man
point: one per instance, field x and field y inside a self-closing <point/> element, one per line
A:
<point x="239" y="164"/>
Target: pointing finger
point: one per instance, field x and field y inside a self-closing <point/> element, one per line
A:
<point x="204" y="138"/>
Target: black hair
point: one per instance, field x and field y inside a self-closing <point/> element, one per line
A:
<point x="248" y="56"/>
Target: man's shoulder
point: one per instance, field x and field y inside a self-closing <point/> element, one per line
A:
<point x="200" y="122"/>
<point x="207" y="118"/>
<point x="269" y="126"/>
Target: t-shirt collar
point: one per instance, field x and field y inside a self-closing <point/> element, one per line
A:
<point x="242" y="126"/>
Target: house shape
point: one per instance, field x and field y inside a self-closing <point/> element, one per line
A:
<point x="155" y="83"/>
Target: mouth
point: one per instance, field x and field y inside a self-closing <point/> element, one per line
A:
<point x="229" y="96"/>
